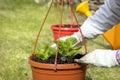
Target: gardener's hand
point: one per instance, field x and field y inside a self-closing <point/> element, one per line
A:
<point x="106" y="58"/>
<point x="76" y="35"/>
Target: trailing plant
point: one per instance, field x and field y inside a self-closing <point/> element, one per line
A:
<point x="65" y="50"/>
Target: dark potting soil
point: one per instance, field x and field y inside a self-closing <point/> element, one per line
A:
<point x="52" y="59"/>
<point x="68" y="26"/>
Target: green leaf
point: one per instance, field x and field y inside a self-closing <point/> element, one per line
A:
<point x="46" y="52"/>
<point x="65" y="48"/>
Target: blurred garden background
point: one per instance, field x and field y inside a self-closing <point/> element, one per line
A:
<point x="20" y="21"/>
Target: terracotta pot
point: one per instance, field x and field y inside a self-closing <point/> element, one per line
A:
<point x="64" y="30"/>
<point x="42" y="71"/>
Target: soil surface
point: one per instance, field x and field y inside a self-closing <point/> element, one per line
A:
<point x="52" y="59"/>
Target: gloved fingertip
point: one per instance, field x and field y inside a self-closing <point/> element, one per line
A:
<point x="75" y="60"/>
<point x="78" y="61"/>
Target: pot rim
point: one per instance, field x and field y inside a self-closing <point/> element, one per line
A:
<point x="52" y="66"/>
<point x="54" y="27"/>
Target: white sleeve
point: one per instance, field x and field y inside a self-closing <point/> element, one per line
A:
<point x="105" y="18"/>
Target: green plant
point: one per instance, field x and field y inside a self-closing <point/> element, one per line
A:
<point x="46" y="52"/>
<point x="64" y="49"/>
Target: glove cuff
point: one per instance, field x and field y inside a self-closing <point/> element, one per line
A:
<point x="118" y="56"/>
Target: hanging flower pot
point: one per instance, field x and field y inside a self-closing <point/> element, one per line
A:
<point x="50" y="63"/>
<point x="63" y="30"/>
<point x="45" y="65"/>
<point x="43" y="71"/>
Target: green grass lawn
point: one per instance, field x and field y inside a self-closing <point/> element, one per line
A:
<point x="20" y="21"/>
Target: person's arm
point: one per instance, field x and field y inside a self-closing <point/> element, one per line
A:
<point x="104" y="18"/>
